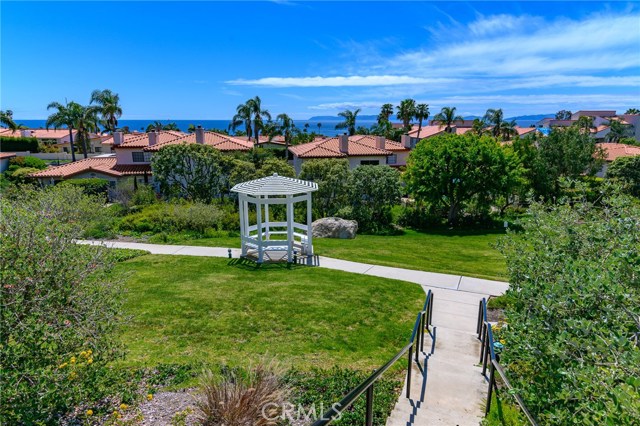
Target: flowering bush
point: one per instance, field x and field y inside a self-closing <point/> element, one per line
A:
<point x="59" y="307"/>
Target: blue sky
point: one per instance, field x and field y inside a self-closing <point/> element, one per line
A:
<point x="200" y="60"/>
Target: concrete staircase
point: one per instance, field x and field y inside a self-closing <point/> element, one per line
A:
<point x="447" y="388"/>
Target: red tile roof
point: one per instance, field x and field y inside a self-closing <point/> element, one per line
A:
<point x="141" y="140"/>
<point x="359" y="145"/>
<point x="370" y="140"/>
<point x="5" y="155"/>
<point x="617" y="150"/>
<point x="105" y="165"/>
<point x="216" y="140"/>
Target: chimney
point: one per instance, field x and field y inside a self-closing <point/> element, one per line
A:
<point x="199" y="135"/>
<point x="117" y="138"/>
<point x="153" y="138"/>
<point x="406" y="141"/>
<point x="343" y="141"/>
<point x="380" y="141"/>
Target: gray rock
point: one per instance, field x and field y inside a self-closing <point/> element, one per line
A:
<point x="334" y="227"/>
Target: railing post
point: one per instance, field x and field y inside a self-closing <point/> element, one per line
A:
<point x="430" y="308"/>
<point x="369" y="415"/>
<point x="483" y="341"/>
<point x="409" y="372"/>
<point x="422" y="325"/>
<point x="486" y="352"/>
<point x="492" y="369"/>
<point x="479" y="326"/>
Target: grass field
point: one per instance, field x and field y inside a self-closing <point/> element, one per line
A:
<point x="469" y="253"/>
<point x="186" y="309"/>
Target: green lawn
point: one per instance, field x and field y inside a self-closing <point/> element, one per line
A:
<point x="187" y="309"/>
<point x="467" y="253"/>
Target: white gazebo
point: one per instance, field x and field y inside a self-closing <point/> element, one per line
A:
<point x="267" y="238"/>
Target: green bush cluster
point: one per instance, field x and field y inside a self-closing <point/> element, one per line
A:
<point x="90" y="186"/>
<point x="60" y="305"/>
<point x="572" y="337"/>
<point x="9" y="144"/>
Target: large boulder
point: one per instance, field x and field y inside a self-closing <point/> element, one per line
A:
<point x="334" y="227"/>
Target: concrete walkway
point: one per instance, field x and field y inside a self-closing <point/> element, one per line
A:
<point x="448" y="389"/>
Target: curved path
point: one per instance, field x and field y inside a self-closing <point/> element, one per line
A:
<point x="450" y="389"/>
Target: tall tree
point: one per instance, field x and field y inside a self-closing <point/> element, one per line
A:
<point x="447" y="117"/>
<point x="617" y="131"/>
<point x="495" y="118"/>
<point x="349" y="122"/>
<point x="508" y="130"/>
<point x="6" y="118"/>
<point x="86" y="122"/>
<point x="406" y="112"/>
<point x="421" y="113"/>
<point x="478" y="127"/>
<point x="109" y="108"/>
<point x="286" y="125"/>
<point x="633" y="111"/>
<point x="386" y="111"/>
<point x="563" y="114"/>
<point x="585" y="124"/>
<point x="258" y="114"/>
<point x="64" y="117"/>
<point x="242" y="117"/>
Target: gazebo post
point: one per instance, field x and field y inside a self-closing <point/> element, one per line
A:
<point x="266" y="216"/>
<point x="245" y="205"/>
<point x="258" y="201"/>
<point x="243" y="229"/>
<point x="290" y="228"/>
<point x="309" y="225"/>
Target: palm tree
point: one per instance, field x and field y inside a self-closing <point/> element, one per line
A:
<point x="6" y="118"/>
<point x="319" y="126"/>
<point x="495" y="118"/>
<point x="585" y="124"/>
<point x="242" y="117"/>
<point x="386" y="111"/>
<point x="478" y="126"/>
<point x="64" y="116"/>
<point x="349" y="122"/>
<point x="286" y="125"/>
<point x="109" y="108"/>
<point x="406" y="111"/>
<point x="447" y="117"/>
<point x="421" y="113"/>
<point x="86" y="122"/>
<point x="508" y="130"/>
<point x="258" y="114"/>
<point x="633" y="111"/>
<point x="617" y="131"/>
<point x="171" y="126"/>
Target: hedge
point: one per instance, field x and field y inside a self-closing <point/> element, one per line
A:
<point x="8" y="144"/>
<point x="90" y="186"/>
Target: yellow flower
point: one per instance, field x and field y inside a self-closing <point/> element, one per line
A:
<point x="149" y="397"/>
<point x="73" y="375"/>
<point x="89" y="352"/>
<point x="73" y="360"/>
<point x="502" y="341"/>
<point x="63" y="365"/>
<point x="83" y="353"/>
<point x="123" y="406"/>
<point x="90" y="361"/>
<point x="89" y="412"/>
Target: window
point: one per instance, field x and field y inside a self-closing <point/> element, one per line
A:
<point x="147" y="157"/>
<point x="392" y="159"/>
<point x="370" y="162"/>
<point x="98" y="149"/>
<point x="138" y="157"/>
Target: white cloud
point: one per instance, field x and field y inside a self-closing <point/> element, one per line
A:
<point x="340" y="81"/>
<point x="500" y="23"/>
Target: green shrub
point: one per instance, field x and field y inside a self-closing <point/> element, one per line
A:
<point x="90" y="186"/>
<point x="143" y="196"/>
<point x="8" y="144"/>
<point x="20" y="174"/>
<point x="33" y="162"/>
<point x="327" y="387"/>
<point x="168" y="217"/>
<point x="59" y="308"/>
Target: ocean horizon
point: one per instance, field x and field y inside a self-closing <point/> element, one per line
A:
<point x="327" y="127"/>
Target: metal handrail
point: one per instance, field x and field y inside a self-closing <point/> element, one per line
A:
<point x="488" y="356"/>
<point x="422" y="323"/>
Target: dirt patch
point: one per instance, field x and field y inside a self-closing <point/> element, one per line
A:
<point x="495" y="315"/>
<point x="166" y="409"/>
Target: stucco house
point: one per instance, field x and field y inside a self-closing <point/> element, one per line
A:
<point x="614" y="151"/>
<point x="5" y="157"/>
<point x="358" y="149"/>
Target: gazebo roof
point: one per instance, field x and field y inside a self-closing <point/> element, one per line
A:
<point x="275" y="185"/>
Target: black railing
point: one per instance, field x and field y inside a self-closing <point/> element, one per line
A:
<point x="415" y="346"/>
<point x="488" y="359"/>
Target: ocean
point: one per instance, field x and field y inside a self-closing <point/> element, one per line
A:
<point x="327" y="127"/>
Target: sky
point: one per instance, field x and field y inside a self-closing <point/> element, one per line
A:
<point x="199" y="60"/>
